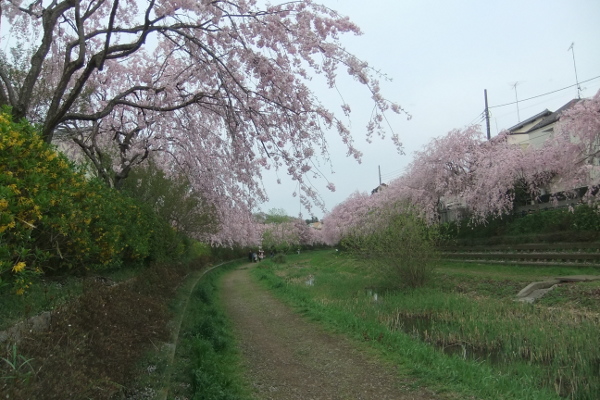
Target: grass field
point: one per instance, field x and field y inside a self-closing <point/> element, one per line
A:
<point x="463" y="332"/>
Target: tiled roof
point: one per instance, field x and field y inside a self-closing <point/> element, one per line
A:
<point x="547" y="118"/>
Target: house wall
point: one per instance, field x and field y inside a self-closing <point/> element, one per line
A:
<point x="522" y="139"/>
<point x="452" y="214"/>
<point x="538" y="137"/>
<point x="534" y="138"/>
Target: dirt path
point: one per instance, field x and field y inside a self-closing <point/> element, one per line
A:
<point x="288" y="357"/>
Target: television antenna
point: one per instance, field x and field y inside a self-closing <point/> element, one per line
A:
<point x="572" y="49"/>
<point x="517" y="100"/>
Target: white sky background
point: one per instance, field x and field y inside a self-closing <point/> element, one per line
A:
<point x="441" y="56"/>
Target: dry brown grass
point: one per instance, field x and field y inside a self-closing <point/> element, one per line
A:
<point x="92" y="346"/>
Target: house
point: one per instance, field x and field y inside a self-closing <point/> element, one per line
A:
<point x="316" y="225"/>
<point x="379" y="188"/>
<point x="534" y="131"/>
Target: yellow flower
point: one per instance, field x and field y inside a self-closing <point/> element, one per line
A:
<point x="20" y="266"/>
<point x="20" y="291"/>
<point x="14" y="188"/>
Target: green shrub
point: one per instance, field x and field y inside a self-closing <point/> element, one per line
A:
<point x="398" y="244"/>
<point x="171" y="198"/>
<point x="586" y="218"/>
<point x="581" y="223"/>
<point x="53" y="219"/>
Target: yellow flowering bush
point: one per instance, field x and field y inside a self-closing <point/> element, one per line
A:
<point x="20" y="266"/>
<point x="54" y="219"/>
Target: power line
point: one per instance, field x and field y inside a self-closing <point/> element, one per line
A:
<point x="544" y="94"/>
<point x="391" y="178"/>
<point x="478" y="119"/>
<point x="392" y="172"/>
<point x="395" y="172"/>
<point x="532" y="105"/>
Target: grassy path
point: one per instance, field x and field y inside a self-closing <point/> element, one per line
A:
<point x="288" y="357"/>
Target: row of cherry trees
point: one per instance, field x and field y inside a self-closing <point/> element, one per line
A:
<point x="218" y="91"/>
<point x="213" y="90"/>
<point x="280" y="232"/>
<point x="484" y="176"/>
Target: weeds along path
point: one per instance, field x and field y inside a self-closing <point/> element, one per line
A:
<point x="187" y="290"/>
<point x="186" y="293"/>
<point x="288" y="357"/>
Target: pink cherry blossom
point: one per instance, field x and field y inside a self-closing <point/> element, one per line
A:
<point x="215" y="90"/>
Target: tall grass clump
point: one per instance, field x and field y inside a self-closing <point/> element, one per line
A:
<point x="397" y="243"/>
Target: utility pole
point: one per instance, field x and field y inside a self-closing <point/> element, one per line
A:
<point x="572" y="49"/>
<point x="379" y="166"/>
<point x="487" y="115"/>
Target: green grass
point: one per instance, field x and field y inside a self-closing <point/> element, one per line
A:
<point x="501" y="281"/>
<point x="464" y="333"/>
<point x="206" y="364"/>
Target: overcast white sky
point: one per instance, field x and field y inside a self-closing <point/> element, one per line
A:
<point x="441" y="56"/>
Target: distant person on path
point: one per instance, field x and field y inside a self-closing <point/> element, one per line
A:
<point x="254" y="257"/>
<point x="250" y="258"/>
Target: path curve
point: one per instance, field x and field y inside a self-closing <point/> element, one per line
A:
<point x="288" y="357"/>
